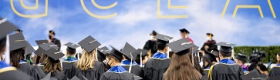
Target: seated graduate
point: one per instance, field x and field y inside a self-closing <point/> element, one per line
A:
<point x="181" y="67"/>
<point x="240" y="59"/>
<point x="8" y="72"/>
<point x="142" y="57"/>
<point x="128" y="60"/>
<point x="226" y="69"/>
<point x="52" y="63"/>
<point x="158" y="64"/>
<point x="88" y="64"/>
<point x="116" y="72"/>
<point x="275" y="71"/>
<point x="18" y="50"/>
<point x="150" y="45"/>
<point x="208" y="60"/>
<point x="67" y="64"/>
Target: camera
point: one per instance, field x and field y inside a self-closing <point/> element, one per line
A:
<point x="256" y="56"/>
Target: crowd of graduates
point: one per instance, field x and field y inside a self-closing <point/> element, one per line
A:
<point x="159" y="59"/>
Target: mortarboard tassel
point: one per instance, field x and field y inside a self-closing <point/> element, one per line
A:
<point x="141" y="63"/>
<point x="130" y="63"/>
<point x="7" y="53"/>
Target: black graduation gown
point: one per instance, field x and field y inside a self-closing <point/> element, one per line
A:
<point x="10" y="73"/>
<point x="155" y="68"/>
<point x="151" y="45"/>
<point x="135" y="69"/>
<point x="221" y="71"/>
<point x="36" y="72"/>
<point x="117" y="76"/>
<point x="91" y="74"/>
<point x="56" y="42"/>
<point x="212" y="45"/>
<point x="57" y="75"/>
<point x="68" y="69"/>
<point x="275" y="71"/>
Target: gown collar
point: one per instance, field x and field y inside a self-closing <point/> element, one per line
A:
<point x="159" y="55"/>
<point x="227" y="61"/>
<point x="71" y="58"/>
<point x="3" y="64"/>
<point x="127" y="62"/>
<point x="117" y="69"/>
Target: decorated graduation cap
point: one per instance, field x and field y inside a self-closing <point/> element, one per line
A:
<point x="17" y="41"/>
<point x="241" y="57"/>
<point x="71" y="47"/>
<point x="128" y="51"/>
<point x="184" y="30"/>
<point x="163" y="39"/>
<point x="181" y="47"/>
<point x="101" y="53"/>
<point x="89" y="44"/>
<point x="225" y="47"/>
<point x="116" y="53"/>
<point x="6" y="27"/>
<point x="54" y="54"/>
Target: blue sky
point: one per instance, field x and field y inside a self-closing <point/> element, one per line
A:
<point x="137" y="18"/>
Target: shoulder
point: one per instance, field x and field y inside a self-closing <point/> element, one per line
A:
<point x="9" y="72"/>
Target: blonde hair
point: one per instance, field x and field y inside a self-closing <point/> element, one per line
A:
<point x="87" y="60"/>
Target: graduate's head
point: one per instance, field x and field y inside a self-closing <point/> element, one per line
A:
<point x="71" y="48"/>
<point x="51" y="34"/>
<point x="161" y="46"/>
<point x="112" y="60"/>
<point x="16" y="56"/>
<point x="225" y="49"/>
<point x="87" y="60"/>
<point x="209" y="36"/>
<point x="2" y="45"/>
<point x="52" y="62"/>
<point x="208" y="59"/>
<point x="240" y="59"/>
<point x="278" y="57"/>
<point x="154" y="33"/>
<point x="184" y="33"/>
<point x="18" y="31"/>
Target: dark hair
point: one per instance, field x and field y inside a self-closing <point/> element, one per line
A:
<point x="161" y="46"/>
<point x="51" y="32"/>
<point x="181" y="68"/>
<point x="204" y="60"/>
<point x="138" y="60"/>
<point x="2" y="43"/>
<point x="226" y="54"/>
<point x="196" y="64"/>
<point x="16" y="56"/>
<point x="50" y="66"/>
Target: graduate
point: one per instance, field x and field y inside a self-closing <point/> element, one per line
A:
<point x="128" y="60"/>
<point x="87" y="64"/>
<point x="226" y="66"/>
<point x="102" y="56"/>
<point x="38" y="53"/>
<point x="67" y="64"/>
<point x="275" y="71"/>
<point x="7" y="72"/>
<point x="18" y="50"/>
<point x="52" y="63"/>
<point x="181" y="67"/>
<point x="185" y="34"/>
<point x="158" y="64"/>
<point x="240" y="59"/>
<point x="116" y="72"/>
<point x="150" y="45"/>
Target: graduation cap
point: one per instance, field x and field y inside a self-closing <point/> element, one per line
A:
<point x="181" y="47"/>
<point x="225" y="47"/>
<point x="48" y="46"/>
<point x="128" y="51"/>
<point x="115" y="52"/>
<point x="89" y="44"/>
<point x="6" y="27"/>
<point x="101" y="53"/>
<point x="29" y="49"/>
<point x="17" y="41"/>
<point x="241" y="57"/>
<point x="209" y="34"/>
<point x="163" y="39"/>
<point x="54" y="54"/>
<point x="39" y="42"/>
<point x="184" y="30"/>
<point x="71" y="47"/>
<point x="47" y="77"/>
<point x="139" y="51"/>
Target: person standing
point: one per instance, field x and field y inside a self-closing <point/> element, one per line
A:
<point x="185" y="34"/>
<point x="211" y="43"/>
<point x="53" y="39"/>
<point x="226" y="66"/>
<point x="150" y="45"/>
